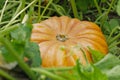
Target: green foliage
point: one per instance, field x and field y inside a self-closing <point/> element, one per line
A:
<point x="110" y="65"/>
<point x="33" y="53"/>
<point x="110" y="25"/>
<point x="78" y="72"/>
<point x="20" y="39"/>
<point x="2" y="3"/>
<point x="96" y="55"/>
<point x="22" y="34"/>
<point x="118" y="7"/>
<point x="84" y="5"/>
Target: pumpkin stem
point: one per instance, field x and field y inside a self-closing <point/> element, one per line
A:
<point x="61" y="37"/>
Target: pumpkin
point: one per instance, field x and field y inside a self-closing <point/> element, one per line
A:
<point x="63" y="40"/>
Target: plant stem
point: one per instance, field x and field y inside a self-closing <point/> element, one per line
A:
<point x="22" y="7"/>
<point x="39" y="8"/>
<point x="75" y="12"/>
<point x="108" y="39"/>
<point x="99" y="17"/>
<point x="110" y="7"/>
<point x="14" y="53"/>
<point x="114" y="44"/>
<point x="113" y="39"/>
<point x="59" y="68"/>
<point x="5" y="22"/>
<point x="47" y="73"/>
<point x="3" y="10"/>
<point x="50" y="1"/>
<point x="104" y="18"/>
<point x="97" y="6"/>
<point x="6" y="75"/>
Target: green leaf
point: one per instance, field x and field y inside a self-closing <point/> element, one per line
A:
<point x="86" y="72"/>
<point x="113" y="23"/>
<point x="114" y="73"/>
<point x="118" y="8"/>
<point x="8" y="58"/>
<point x="96" y="55"/>
<point x="33" y="53"/>
<point x="22" y="34"/>
<point x="108" y="62"/>
<point x="82" y="4"/>
<point x="110" y="65"/>
<point x="60" y="10"/>
<point x="19" y="39"/>
<point x="90" y="72"/>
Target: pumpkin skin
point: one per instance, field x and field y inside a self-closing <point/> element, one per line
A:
<point x="63" y="40"/>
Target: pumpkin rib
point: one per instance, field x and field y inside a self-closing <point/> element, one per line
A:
<point x="45" y="58"/>
<point x="89" y="31"/>
<point x="80" y="54"/>
<point x="37" y="37"/>
<point x="71" y="25"/>
<point x="80" y="30"/>
<point x="96" y="46"/>
<point x="64" y="26"/>
<point x="90" y="24"/>
<point x="99" y="39"/>
<point x="41" y="24"/>
<point x="49" y="23"/>
<point x="44" y="46"/>
<point x="53" y="31"/>
<point x="56" y="22"/>
<point x="39" y="30"/>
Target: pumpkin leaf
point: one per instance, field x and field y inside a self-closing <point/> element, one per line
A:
<point x="20" y="40"/>
<point x="19" y="37"/>
<point x="110" y="65"/>
<point x="114" y="74"/>
<point x="108" y="62"/>
<point x="110" y="25"/>
<point x="8" y="58"/>
<point x="96" y="55"/>
<point x="33" y="53"/>
<point x="80" y="72"/>
<point x="22" y="34"/>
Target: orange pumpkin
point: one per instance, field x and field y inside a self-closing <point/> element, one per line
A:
<point x="63" y="40"/>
